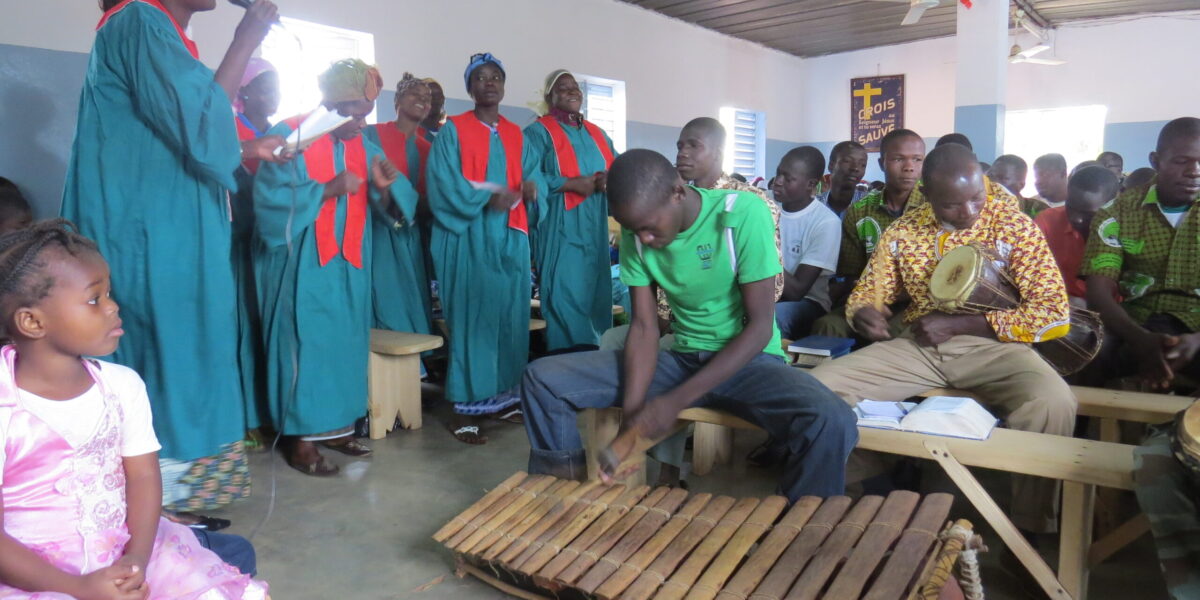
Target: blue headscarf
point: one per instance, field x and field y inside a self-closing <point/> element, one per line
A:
<point x="478" y="60"/>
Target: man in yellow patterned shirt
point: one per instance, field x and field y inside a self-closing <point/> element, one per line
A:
<point x="986" y="354"/>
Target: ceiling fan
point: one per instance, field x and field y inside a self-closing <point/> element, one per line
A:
<point x="916" y="8"/>
<point x="1016" y="55"/>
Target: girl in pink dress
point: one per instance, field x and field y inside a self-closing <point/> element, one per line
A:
<point x="79" y="482"/>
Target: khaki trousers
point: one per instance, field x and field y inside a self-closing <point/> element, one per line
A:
<point x="1011" y="379"/>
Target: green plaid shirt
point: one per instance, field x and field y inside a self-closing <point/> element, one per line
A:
<point x="862" y="226"/>
<point x="1156" y="266"/>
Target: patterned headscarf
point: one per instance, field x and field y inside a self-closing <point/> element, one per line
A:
<point x="349" y="80"/>
<point x="408" y="82"/>
<point x="257" y="66"/>
<point x="478" y="60"/>
<point x="542" y="105"/>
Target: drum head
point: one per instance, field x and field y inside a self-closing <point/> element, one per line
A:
<point x="1189" y="430"/>
<point x="955" y="277"/>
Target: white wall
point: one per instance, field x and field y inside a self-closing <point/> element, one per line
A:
<point x="674" y="71"/>
<point x="1138" y="68"/>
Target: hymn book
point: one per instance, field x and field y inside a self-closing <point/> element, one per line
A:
<point x="938" y="415"/>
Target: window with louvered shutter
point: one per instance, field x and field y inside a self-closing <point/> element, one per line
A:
<point x="604" y="105"/>
<point x="745" y="141"/>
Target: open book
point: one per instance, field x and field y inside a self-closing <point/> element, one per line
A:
<point x="939" y="415"/>
<point x="318" y="123"/>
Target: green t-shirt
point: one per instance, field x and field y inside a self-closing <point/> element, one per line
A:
<point x="696" y="270"/>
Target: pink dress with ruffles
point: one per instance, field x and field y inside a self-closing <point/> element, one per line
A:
<point x="67" y="504"/>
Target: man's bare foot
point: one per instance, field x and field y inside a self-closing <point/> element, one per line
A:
<point x="304" y="457"/>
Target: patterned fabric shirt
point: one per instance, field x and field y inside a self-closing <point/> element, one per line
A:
<point x="725" y="182"/>
<point x="866" y="220"/>
<point x="916" y="242"/>
<point x="1156" y="266"/>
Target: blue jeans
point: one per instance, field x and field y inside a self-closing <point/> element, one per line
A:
<point x="795" y="319"/>
<point x="818" y="426"/>
<point x="235" y="550"/>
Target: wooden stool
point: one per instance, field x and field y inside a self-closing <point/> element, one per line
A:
<point x="395" y="379"/>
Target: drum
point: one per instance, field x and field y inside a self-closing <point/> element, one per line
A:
<point x="1185" y="439"/>
<point x="971" y="279"/>
<point x="1072" y="352"/>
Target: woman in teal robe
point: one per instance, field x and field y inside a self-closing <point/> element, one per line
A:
<point x="400" y="285"/>
<point x="149" y="179"/>
<point x="570" y="237"/>
<point x="480" y="255"/>
<point x="314" y="282"/>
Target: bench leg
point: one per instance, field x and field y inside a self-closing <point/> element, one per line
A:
<point x="1075" y="538"/>
<point x="408" y="393"/>
<point x="1000" y="522"/>
<point x="711" y="444"/>
<point x="394" y="388"/>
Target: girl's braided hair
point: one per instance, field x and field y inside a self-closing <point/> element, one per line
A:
<point x="23" y="281"/>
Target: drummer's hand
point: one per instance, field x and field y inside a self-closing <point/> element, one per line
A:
<point x="872" y="323"/>
<point x="935" y="328"/>
<point x="1183" y="351"/>
<point x="1153" y="364"/>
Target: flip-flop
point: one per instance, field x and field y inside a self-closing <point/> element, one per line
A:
<point x="513" y="415"/>
<point x="320" y="468"/>
<point x="352" y="447"/>
<point x="460" y="435"/>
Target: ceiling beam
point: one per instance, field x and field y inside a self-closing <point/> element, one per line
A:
<point x="1033" y="14"/>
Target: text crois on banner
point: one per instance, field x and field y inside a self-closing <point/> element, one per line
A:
<point x="876" y="108"/>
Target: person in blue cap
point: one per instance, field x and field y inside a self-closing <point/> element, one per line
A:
<point x="480" y="177"/>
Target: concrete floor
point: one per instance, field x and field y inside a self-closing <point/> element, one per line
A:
<point x="365" y="534"/>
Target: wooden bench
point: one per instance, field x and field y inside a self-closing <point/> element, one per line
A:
<point x="536" y="305"/>
<point x="713" y="443"/>
<point x="1080" y="464"/>
<point x="534" y="325"/>
<point x="394" y="379"/>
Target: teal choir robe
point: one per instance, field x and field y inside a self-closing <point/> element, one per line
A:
<point x="149" y="178"/>
<point x="570" y="235"/>
<point x="481" y="258"/>
<point x="313" y="271"/>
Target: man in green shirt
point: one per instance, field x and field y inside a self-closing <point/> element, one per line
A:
<point x="713" y="253"/>
<point x="902" y="152"/>
<point x="1145" y="248"/>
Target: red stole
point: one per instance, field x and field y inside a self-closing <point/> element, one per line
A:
<point x="187" y="42"/>
<point x="474" y="145"/>
<point x="395" y="147"/>
<point x="318" y="158"/>
<point x="244" y="134"/>
<point x="568" y="165"/>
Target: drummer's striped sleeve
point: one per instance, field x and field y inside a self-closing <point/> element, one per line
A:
<point x="1044" y="311"/>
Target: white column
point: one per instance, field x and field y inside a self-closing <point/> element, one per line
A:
<point x="982" y="74"/>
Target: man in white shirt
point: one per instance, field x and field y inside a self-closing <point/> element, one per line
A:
<point x="810" y="236"/>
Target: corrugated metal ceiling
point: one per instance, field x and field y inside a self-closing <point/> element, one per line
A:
<point x="815" y="27"/>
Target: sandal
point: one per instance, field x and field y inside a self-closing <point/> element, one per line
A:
<point x="350" y="447"/>
<point x="513" y="415"/>
<point x="319" y="468"/>
<point x="469" y="434"/>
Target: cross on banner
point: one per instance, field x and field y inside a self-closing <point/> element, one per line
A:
<point x="868" y="93"/>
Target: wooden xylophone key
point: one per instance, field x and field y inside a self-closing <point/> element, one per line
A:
<point x="656" y="574"/>
<point x="608" y="579"/>
<point x="512" y="503"/>
<point x="755" y="527"/>
<point x="912" y="548"/>
<point x="488" y="533"/>
<point x="687" y="573"/>
<point x="567" y="531"/>
<point x="472" y="511"/>
<point x="874" y="543"/>
<point x="597" y="528"/>
<point x="785" y="571"/>
<point x="614" y="534"/>
<point x="566" y="492"/>
<point x="526" y="544"/>
<point x="843" y="537"/>
<point x="751" y="574"/>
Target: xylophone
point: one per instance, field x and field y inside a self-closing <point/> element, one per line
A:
<point x="535" y="536"/>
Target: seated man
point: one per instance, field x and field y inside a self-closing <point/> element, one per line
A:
<point x="1050" y="179"/>
<point x="901" y="154"/>
<point x="1145" y="247"/>
<point x="810" y="236"/>
<point x="726" y="353"/>
<point x="1138" y="178"/>
<point x="986" y="354"/>
<point x="1010" y="171"/>
<point x="1066" y="227"/>
<point x="847" y="164"/>
<point x="1113" y="162"/>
